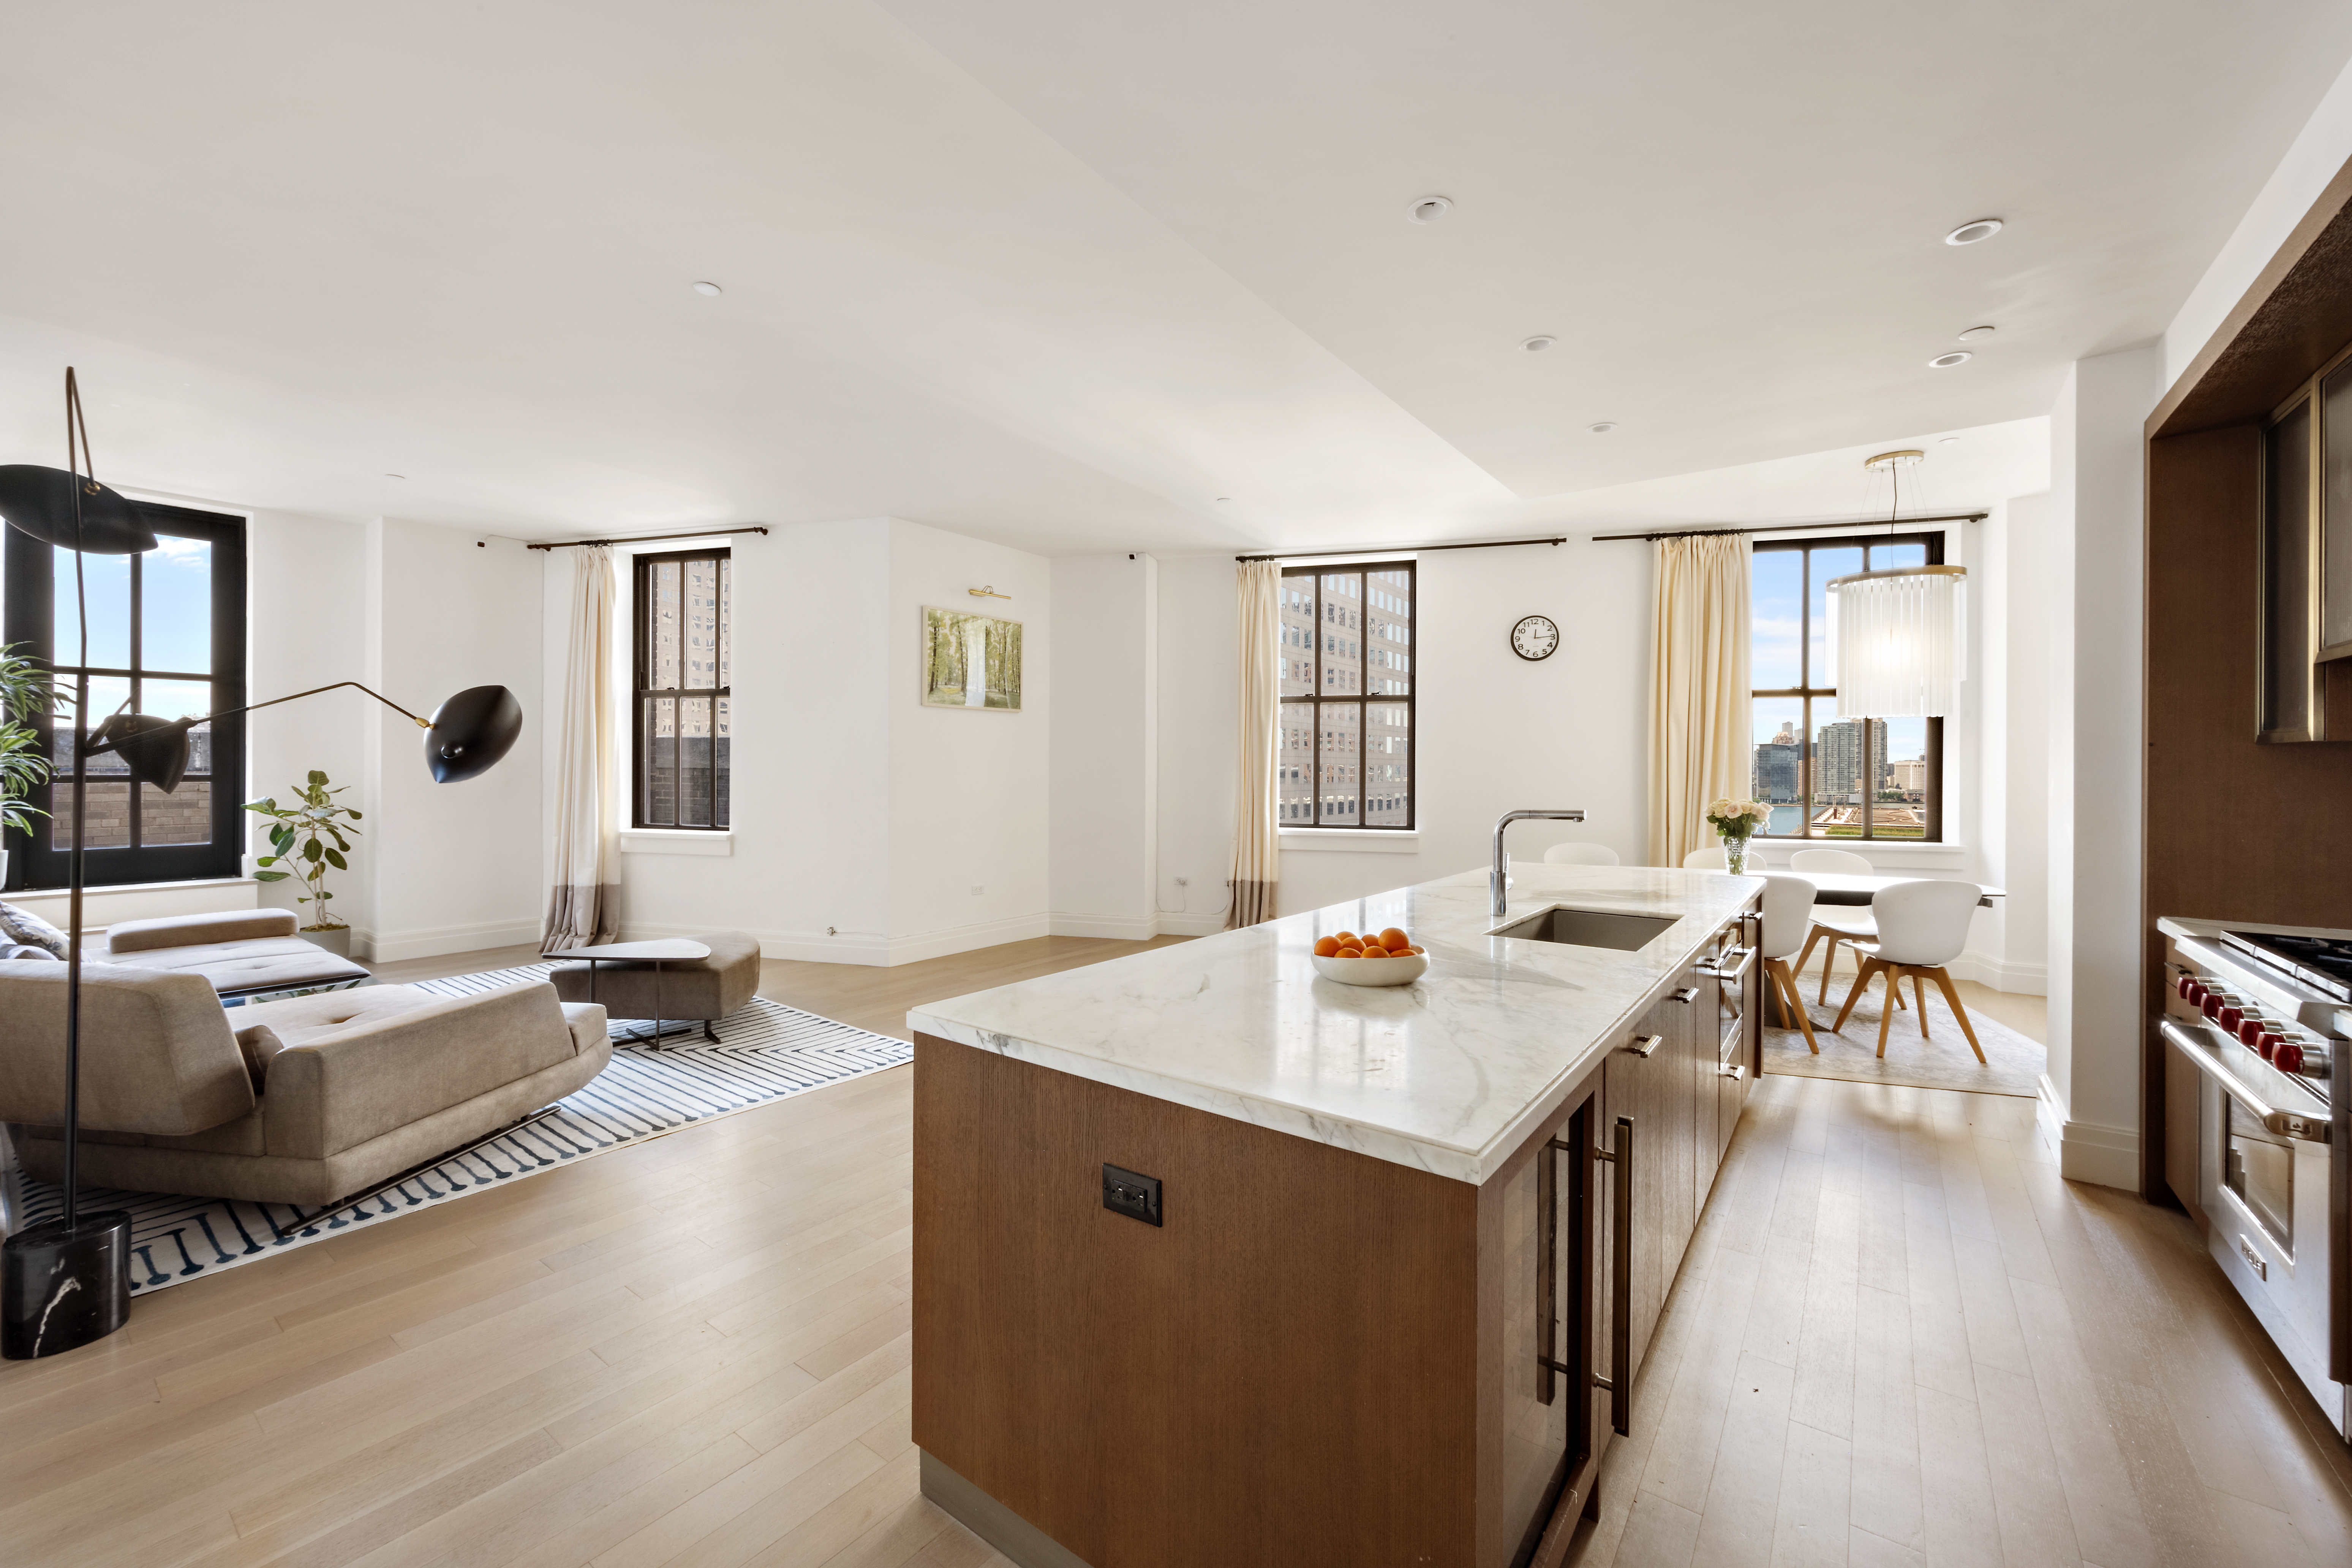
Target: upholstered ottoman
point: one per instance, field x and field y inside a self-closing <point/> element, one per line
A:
<point x="690" y="988"/>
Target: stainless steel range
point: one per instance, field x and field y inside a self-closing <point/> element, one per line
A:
<point x="2258" y="1026"/>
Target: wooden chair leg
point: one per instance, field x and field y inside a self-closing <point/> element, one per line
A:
<point x="1886" y="1015"/>
<point x="1944" y="984"/>
<point x="1854" y="996"/>
<point x="1812" y="937"/>
<point x="1785" y="983"/>
<point x="1829" y="961"/>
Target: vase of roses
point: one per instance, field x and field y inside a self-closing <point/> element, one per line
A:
<point x="1737" y="821"/>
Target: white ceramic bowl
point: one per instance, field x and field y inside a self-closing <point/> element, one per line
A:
<point x="1374" y="970"/>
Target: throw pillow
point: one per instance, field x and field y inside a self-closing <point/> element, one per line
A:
<point x="25" y="927"/>
<point x="9" y="950"/>
<point x="258" y="1043"/>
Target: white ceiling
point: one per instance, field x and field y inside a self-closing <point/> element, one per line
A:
<point x="1062" y="274"/>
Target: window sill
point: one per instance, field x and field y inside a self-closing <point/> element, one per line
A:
<point x="676" y="841"/>
<point x="1887" y="855"/>
<point x="1350" y="840"/>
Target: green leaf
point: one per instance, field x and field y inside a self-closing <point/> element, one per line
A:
<point x="355" y="816"/>
<point x="317" y="777"/>
<point x="310" y="851"/>
<point x="267" y="860"/>
<point x="336" y="861"/>
<point x="270" y="876"/>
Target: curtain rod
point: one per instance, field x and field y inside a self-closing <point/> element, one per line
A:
<point x="1797" y="527"/>
<point x="648" y="537"/>
<point x="1401" y="549"/>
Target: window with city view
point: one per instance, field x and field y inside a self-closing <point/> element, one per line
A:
<point x="1828" y="775"/>
<point x="1347" y="650"/>
<point x="683" y="660"/>
<point x="166" y="637"/>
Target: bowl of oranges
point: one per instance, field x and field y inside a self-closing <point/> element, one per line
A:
<point x="1388" y="959"/>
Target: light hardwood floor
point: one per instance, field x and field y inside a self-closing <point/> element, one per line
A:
<point x="1899" y="1338"/>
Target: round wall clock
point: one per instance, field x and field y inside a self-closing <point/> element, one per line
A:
<point x="1535" y="637"/>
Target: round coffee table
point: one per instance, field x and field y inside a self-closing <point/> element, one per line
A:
<point x="669" y="949"/>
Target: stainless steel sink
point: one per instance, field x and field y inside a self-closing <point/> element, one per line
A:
<point x="1589" y="928"/>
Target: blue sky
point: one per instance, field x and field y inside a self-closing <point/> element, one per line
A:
<point x="177" y="634"/>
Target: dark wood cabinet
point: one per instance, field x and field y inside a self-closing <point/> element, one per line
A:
<point x="1319" y="1357"/>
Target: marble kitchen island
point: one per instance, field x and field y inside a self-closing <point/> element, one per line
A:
<point x="1217" y="1261"/>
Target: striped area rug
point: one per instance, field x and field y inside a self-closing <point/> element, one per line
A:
<point x="766" y="1052"/>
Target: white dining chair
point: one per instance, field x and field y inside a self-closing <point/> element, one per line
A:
<point x="1922" y="926"/>
<point x="1580" y="855"/>
<point x="1833" y="923"/>
<point x="1788" y="904"/>
<point x="1706" y="860"/>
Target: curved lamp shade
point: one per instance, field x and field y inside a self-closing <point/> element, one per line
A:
<point x="1898" y="636"/>
<point x="471" y="732"/>
<point x="39" y="501"/>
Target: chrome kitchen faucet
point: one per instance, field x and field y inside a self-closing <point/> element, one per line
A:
<point x="1503" y="865"/>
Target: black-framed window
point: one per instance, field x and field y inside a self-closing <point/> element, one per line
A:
<point x="1346" y="653"/>
<point x="1826" y="773"/>
<point x="683" y="723"/>
<point x="166" y="635"/>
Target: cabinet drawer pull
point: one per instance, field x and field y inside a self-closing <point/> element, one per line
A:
<point x="1619" y="1383"/>
<point x="1737" y="972"/>
<point x="1687" y="994"/>
<point x="1643" y="1044"/>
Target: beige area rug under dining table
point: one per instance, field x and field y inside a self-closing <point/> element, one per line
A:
<point x="2012" y="1064"/>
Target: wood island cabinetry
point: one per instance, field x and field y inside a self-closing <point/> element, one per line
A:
<point x="1319" y="1355"/>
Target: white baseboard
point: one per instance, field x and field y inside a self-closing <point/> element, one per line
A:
<point x="2104" y="1157"/>
<point x="1118" y="928"/>
<point x="1192" y="925"/>
<point x="964" y="939"/>
<point x="2017" y="979"/>
<point x="435" y="942"/>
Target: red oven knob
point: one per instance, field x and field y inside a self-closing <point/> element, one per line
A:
<point x="2250" y="1032"/>
<point x="2209" y="1004"/>
<point x="2229" y="1018"/>
<point x="2269" y="1043"/>
<point x="2288" y="1058"/>
<point x="2186" y="988"/>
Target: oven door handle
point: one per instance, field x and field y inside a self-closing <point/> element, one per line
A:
<point x="2285" y="1123"/>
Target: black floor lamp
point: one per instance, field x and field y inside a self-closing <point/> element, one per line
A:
<point x="67" y="1281"/>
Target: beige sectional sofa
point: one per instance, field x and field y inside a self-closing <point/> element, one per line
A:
<point x="303" y="1101"/>
<point x="240" y="952"/>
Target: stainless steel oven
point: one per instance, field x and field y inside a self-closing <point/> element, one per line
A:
<point x="2258" y="1107"/>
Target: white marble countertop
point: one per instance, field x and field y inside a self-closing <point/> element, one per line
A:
<point x="1449" y="1074"/>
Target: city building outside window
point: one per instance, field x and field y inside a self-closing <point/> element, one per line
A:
<point x="1346" y="659"/>
<point x="167" y="637"/>
<point x="684" y="657"/>
<point x="1826" y="773"/>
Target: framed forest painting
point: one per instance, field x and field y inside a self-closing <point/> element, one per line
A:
<point x="971" y="661"/>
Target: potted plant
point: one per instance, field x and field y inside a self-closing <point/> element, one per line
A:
<point x="309" y="832"/>
<point x="26" y="693"/>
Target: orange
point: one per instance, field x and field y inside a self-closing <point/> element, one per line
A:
<point x="1348" y="938"/>
<point x="1394" y="939"/>
<point x="1328" y="948"/>
<point x="1351" y="952"/>
<point x="1376" y="951"/>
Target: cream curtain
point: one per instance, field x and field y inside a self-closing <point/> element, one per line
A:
<point x="1257" y="854"/>
<point x="1700" y="744"/>
<point x="583" y="909"/>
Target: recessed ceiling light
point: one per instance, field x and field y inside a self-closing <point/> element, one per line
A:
<point x="395" y="476"/>
<point x="1974" y="333"/>
<point x="1603" y="428"/>
<point x="1975" y="230"/>
<point x="1946" y="362"/>
<point x="1224" y="500"/>
<point x="1428" y="210"/>
<point x="1537" y="345"/>
<point x="708" y="291"/>
<point x="1948" y="440"/>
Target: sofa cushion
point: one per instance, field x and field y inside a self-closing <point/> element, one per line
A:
<point x="259" y="1043"/>
<point x="157" y="1054"/>
<point x="255" y="964"/>
<point x="306" y="1020"/>
<point x="26" y="929"/>
<point x="192" y="931"/>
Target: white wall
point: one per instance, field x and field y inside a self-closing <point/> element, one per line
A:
<point x="456" y="866"/>
<point x="1199" y="769"/>
<point x="1104" y="834"/>
<point x="2090" y="1094"/>
<point x="862" y="819"/>
<point x="2009" y="946"/>
<point x="968" y="787"/>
